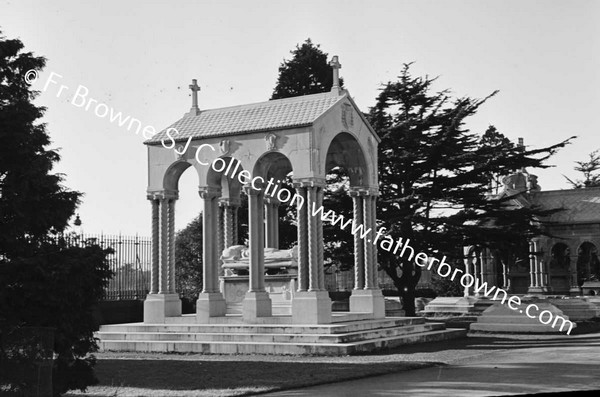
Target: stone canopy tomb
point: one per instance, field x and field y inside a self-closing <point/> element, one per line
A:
<point x="258" y="298"/>
<point x="302" y="137"/>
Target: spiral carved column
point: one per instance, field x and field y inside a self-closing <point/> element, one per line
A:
<point x="155" y="246"/>
<point x="313" y="249"/>
<point x="302" y="210"/>
<point x="171" y="245"/>
<point x="368" y="254"/>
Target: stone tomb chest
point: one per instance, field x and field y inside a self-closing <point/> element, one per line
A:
<point x="281" y="276"/>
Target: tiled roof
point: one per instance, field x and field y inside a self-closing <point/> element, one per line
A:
<point x="581" y="205"/>
<point x="270" y="115"/>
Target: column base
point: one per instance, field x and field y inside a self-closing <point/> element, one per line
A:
<point x="538" y="290"/>
<point x="575" y="291"/>
<point x="368" y="301"/>
<point x="210" y="304"/>
<point x="159" y="306"/>
<point x="311" y="307"/>
<point x="256" y="304"/>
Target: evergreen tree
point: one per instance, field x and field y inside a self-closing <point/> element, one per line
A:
<point x="434" y="178"/>
<point x="32" y="199"/>
<point x="308" y="72"/>
<point x="188" y="261"/>
<point x="43" y="282"/>
<point x="590" y="170"/>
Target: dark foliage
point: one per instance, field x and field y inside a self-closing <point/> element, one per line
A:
<point x="188" y="260"/>
<point x="435" y="178"/>
<point x="42" y="283"/>
<point x="308" y="72"/>
<point x="590" y="170"/>
<point x="57" y="288"/>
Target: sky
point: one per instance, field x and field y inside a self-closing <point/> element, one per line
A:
<point x="138" y="57"/>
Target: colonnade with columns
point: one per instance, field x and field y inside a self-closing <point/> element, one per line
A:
<point x="163" y="300"/>
<point x="366" y="295"/>
<point x="480" y="264"/>
<point x="538" y="271"/>
<point x="311" y="303"/>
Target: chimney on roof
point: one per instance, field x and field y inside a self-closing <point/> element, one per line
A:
<point x="521" y="144"/>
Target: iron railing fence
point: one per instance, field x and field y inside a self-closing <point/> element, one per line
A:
<point x="130" y="262"/>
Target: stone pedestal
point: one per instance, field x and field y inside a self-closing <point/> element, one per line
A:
<point x="159" y="306"/>
<point x="255" y="305"/>
<point x="368" y="301"/>
<point x="210" y="304"/>
<point x="280" y="287"/>
<point x="311" y="307"/>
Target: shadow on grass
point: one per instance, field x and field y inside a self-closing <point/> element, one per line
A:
<point x="202" y="375"/>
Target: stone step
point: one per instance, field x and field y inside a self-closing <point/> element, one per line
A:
<point x="255" y="347"/>
<point x="268" y="337"/>
<point x="336" y="328"/>
<point x="276" y="318"/>
<point x="516" y="328"/>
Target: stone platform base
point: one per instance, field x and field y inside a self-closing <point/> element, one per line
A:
<point x="499" y="318"/>
<point x="576" y="309"/>
<point x="594" y="300"/>
<point x="228" y="335"/>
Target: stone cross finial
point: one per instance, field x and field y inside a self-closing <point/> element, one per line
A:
<point x="195" y="88"/>
<point x="336" y="65"/>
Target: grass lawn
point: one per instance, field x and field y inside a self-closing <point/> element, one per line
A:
<point x="135" y="374"/>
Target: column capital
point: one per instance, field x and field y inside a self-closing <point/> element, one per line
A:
<point x="308" y="182"/>
<point x="162" y="194"/>
<point x="251" y="191"/>
<point x="230" y="202"/>
<point x="363" y="191"/>
<point x="272" y="200"/>
<point x="207" y="192"/>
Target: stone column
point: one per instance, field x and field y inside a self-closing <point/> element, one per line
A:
<point x="155" y="246"/>
<point x="230" y="207"/>
<point x="467" y="261"/>
<point x="359" y="259"/>
<point x="574" y="290"/>
<point x="313" y="251"/>
<point x="475" y="260"/>
<point x="311" y="305"/>
<point x="368" y="250"/>
<point x="256" y="302"/>
<point x="171" y="245"/>
<point x="210" y="301"/>
<point x="484" y="264"/>
<point x="271" y="222"/>
<point x="164" y="244"/>
<point x="302" y="210"/>
<point x="535" y="268"/>
<point x="162" y="301"/>
<point x="320" y="243"/>
<point x="220" y="233"/>
<point x="369" y="299"/>
<point x="234" y="217"/>
<point x="374" y="282"/>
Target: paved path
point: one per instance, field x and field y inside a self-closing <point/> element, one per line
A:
<point x="512" y="367"/>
